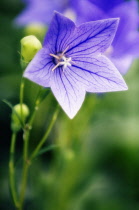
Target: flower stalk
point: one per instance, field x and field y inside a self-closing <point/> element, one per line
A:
<point x="26" y="159"/>
<point x="12" y="170"/>
<point x="44" y="138"/>
<point x="21" y="96"/>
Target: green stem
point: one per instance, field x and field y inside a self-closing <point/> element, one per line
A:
<point x="26" y="136"/>
<point x="25" y="158"/>
<point x="12" y="170"/>
<point x="23" y="184"/>
<point x="44" y="138"/>
<point x="28" y="127"/>
<point x="21" y="97"/>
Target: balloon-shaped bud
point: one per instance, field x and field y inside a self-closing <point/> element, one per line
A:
<point x="19" y="116"/>
<point x="30" y="45"/>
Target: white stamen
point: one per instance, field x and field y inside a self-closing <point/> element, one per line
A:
<point x="65" y="50"/>
<point x="55" y="66"/>
<point x="66" y="62"/>
<point x="55" y="56"/>
<point x="62" y="60"/>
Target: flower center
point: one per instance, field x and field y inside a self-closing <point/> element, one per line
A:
<point x="61" y="60"/>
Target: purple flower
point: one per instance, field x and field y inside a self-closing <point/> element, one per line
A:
<point x="107" y="4"/>
<point x="71" y="61"/>
<point x="125" y="47"/>
<point x="40" y="11"/>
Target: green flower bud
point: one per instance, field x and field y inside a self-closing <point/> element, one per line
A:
<point x="19" y="116"/>
<point x="30" y="45"/>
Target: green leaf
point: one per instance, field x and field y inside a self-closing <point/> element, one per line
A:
<point x="46" y="149"/>
<point x="8" y="104"/>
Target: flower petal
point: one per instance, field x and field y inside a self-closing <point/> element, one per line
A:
<point x="68" y="92"/>
<point x="86" y="11"/>
<point x="97" y="74"/>
<point x="38" y="11"/>
<point x="93" y="37"/>
<point x="128" y="20"/>
<point x="107" y="4"/>
<point x="128" y="47"/>
<point x="59" y="32"/>
<point x="123" y="63"/>
<point x="40" y="68"/>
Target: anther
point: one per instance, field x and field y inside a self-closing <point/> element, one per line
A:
<point x="61" y="60"/>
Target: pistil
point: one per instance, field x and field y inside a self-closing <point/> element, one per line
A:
<point x="61" y="60"/>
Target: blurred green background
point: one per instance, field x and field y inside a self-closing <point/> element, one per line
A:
<point x="96" y="165"/>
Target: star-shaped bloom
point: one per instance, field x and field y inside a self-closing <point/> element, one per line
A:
<point x="71" y="61"/>
<point x="125" y="47"/>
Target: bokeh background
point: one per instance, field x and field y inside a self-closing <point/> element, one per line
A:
<point x="96" y="163"/>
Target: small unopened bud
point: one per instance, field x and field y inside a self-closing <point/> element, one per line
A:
<point x="30" y="45"/>
<point x="19" y="116"/>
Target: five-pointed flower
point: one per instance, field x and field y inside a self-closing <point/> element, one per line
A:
<point x="71" y="61"/>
